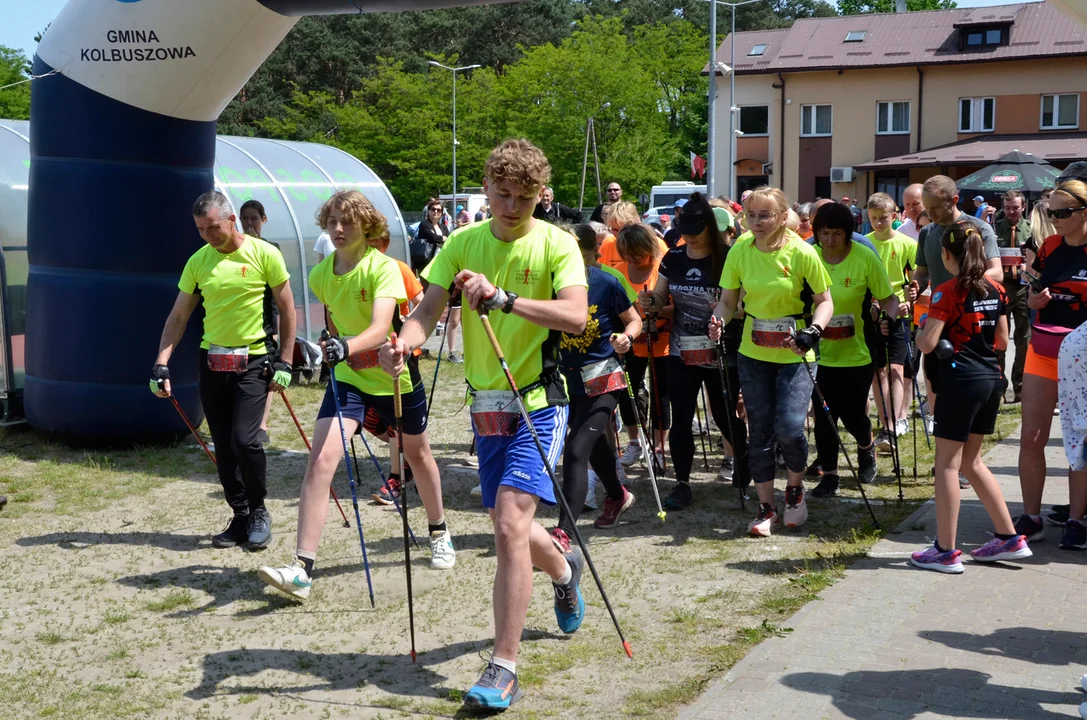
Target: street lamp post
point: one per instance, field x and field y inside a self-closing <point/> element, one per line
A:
<point x="454" y="70"/>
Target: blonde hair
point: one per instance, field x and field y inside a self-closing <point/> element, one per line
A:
<point x="357" y="209"/>
<point x="637" y="241"/>
<point x="623" y="213"/>
<point x="519" y="161"/>
<point x="1041" y="227"/>
<point x="770" y="196"/>
<point x="882" y="201"/>
<point x="1076" y="190"/>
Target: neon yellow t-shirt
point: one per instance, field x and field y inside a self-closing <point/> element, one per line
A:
<point x="535" y="266"/>
<point x="775" y="282"/>
<point x="632" y="294"/>
<point x="897" y="254"/>
<point x="232" y="287"/>
<point x="350" y="301"/>
<point x="861" y="272"/>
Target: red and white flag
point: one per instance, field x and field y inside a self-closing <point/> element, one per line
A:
<point x="698" y="166"/>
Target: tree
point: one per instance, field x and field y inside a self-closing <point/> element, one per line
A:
<point x="864" y="7"/>
<point x="14" y="101"/>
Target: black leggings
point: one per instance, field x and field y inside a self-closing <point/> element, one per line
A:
<point x="686" y="382"/>
<point x="636" y="367"/>
<point x="846" y="392"/>
<point x="588" y="440"/>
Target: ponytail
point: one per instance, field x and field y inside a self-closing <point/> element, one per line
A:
<point x="964" y="243"/>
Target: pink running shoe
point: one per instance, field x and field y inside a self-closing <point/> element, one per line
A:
<point x="560" y="540"/>
<point x="1015" y="548"/>
<point x="932" y="559"/>
<point x="613" y="510"/>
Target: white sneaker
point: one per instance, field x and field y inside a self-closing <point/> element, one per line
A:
<point x="291" y="579"/>
<point x="472" y="462"/>
<point x="765" y="522"/>
<point x="590" y="497"/>
<point x="631" y="455"/>
<point x="442" y="554"/>
<point x="902" y="426"/>
<point x="929" y="425"/>
<point x="728" y="467"/>
<point x="476" y="492"/>
<point x="796" y="514"/>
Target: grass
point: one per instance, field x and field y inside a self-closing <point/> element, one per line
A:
<point x="174" y="599"/>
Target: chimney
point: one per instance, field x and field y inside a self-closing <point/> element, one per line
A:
<point x="900" y="6"/>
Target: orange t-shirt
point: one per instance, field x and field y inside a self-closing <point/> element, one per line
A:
<point x="414" y="287"/>
<point x="609" y="252"/>
<point x="660" y="347"/>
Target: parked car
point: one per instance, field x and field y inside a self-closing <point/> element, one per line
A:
<point x="654" y="214"/>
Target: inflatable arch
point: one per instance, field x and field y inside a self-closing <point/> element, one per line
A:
<point x="122" y="141"/>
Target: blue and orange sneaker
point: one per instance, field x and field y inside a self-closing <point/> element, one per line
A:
<point x="996" y="549"/>
<point x="569" y="605"/>
<point x="931" y="558"/>
<point x="496" y="689"/>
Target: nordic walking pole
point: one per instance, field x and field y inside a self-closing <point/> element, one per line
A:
<point x="644" y="445"/>
<point x="705" y="412"/>
<point x="434" y="382"/>
<point x="653" y="388"/>
<point x="384" y="480"/>
<point x="726" y="386"/>
<point x="841" y="445"/>
<point x="350" y="475"/>
<point x="192" y="429"/>
<point x="551" y="473"/>
<point x="894" y="422"/>
<point x="917" y="389"/>
<point x="398" y="414"/>
<point x="309" y="447"/>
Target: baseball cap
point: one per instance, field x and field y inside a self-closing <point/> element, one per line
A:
<point x="665" y="217"/>
<point x="1075" y="171"/>
<point x="690" y="223"/>
<point x="979" y="198"/>
<point x="459" y="208"/>
<point x="679" y="203"/>
<point x="724" y="219"/>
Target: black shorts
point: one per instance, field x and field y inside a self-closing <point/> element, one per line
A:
<point x="967" y="407"/>
<point x="932" y="373"/>
<point x="894" y="346"/>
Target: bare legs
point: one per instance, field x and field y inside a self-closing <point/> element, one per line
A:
<point x="951" y="457"/>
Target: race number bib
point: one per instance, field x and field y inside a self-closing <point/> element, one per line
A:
<point x="227" y="359"/>
<point x="772" y="333"/>
<point x="1011" y="257"/>
<point x="603" y="377"/>
<point x="840" y="327"/>
<point x="696" y="349"/>
<point x="363" y="360"/>
<point x="494" y="413"/>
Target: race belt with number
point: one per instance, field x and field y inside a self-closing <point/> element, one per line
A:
<point x="840" y="327"/>
<point x="603" y="377"/>
<point x="772" y="333"/>
<point x="696" y="349"/>
<point x="1009" y="257"/>
<point x="228" y="359"/>
<point x="363" y="360"/>
<point x="494" y="413"/>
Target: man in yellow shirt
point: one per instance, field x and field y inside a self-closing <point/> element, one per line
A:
<point x="529" y="275"/>
<point x="239" y="360"/>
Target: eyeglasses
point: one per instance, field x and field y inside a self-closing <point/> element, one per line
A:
<point x="435" y="209"/>
<point x="1063" y="213"/>
<point x="762" y="218"/>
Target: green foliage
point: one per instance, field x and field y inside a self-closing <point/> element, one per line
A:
<point x="864" y="7"/>
<point x="14" y="101"/>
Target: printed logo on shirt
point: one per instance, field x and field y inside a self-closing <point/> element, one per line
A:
<point x="362" y="294"/>
<point x="694" y="276"/>
<point x="936" y="297"/>
<point x="242" y="271"/>
<point x="847" y="282"/>
<point x="785" y="271"/>
<point x="529" y="277"/>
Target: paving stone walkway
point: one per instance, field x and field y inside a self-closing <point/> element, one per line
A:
<point x="891" y="642"/>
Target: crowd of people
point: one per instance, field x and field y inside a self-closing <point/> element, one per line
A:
<point x="578" y="332"/>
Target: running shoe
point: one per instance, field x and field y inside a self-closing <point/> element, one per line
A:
<point x="496" y="689"/>
<point x="930" y="425"/>
<point x="631" y="455"/>
<point x="866" y="464"/>
<point x="472" y="462"/>
<point x="1074" y="536"/>
<point x="883" y="441"/>
<point x="964" y="483"/>
<point x="476" y="492"/>
<point x="1058" y="515"/>
<point x="613" y="510"/>
<point x="260" y="529"/>
<point x="658" y="462"/>
<point x="902" y="426"/>
<point x="569" y="605"/>
<point x="814" y="470"/>
<point x="680" y="497"/>
<point x="949" y="561"/>
<point x="388" y="495"/>
<point x="827" y="487"/>
<point x="560" y="540"/>
<point x="590" y="496"/>
<point x="796" y="508"/>
<point x="765" y="522"/>
<point x="1033" y="529"/>
<point x="442" y="554"/>
<point x="290" y="579"/>
<point x="728" y="470"/>
<point x="996" y="549"/>
<point x="236" y="533"/>
<point x="456" y="358"/>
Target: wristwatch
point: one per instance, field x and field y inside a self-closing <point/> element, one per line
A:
<point x="510" y="297"/>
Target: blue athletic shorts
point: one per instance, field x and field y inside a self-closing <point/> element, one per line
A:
<point x="355" y="403"/>
<point x="515" y="461"/>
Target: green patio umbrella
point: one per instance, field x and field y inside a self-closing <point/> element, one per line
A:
<point x="1015" y="171"/>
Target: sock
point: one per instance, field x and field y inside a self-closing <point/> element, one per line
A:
<point x="1003" y="536"/>
<point x="503" y="663"/>
<point x="307" y="559"/>
<point x="936" y="544"/>
<point x="567" y="576"/>
<point x="438" y="526"/>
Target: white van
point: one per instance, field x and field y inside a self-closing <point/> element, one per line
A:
<point x="472" y="198"/>
<point x="666" y="194"/>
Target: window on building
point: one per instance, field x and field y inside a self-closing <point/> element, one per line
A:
<point x="976" y="37"/>
<point x="758" y="49"/>
<point x="755" y="120"/>
<point x="893" y="117"/>
<point x="1060" y="112"/>
<point x="977" y="115"/>
<point x="815" y="120"/>
<point x="855" y="35"/>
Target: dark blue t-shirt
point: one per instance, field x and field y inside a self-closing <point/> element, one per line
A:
<point x="607" y="300"/>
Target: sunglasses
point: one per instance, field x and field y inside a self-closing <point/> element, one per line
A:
<point x="1063" y="213"/>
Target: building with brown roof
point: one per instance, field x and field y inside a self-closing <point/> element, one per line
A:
<point x="851" y="105"/>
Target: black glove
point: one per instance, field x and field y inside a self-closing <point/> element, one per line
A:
<point x="808" y="337"/>
<point x="159" y="375"/>
<point x="335" y="350"/>
<point x="944" y="349"/>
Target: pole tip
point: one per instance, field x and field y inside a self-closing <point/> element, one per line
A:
<point x="662" y="515"/>
<point x="630" y="653"/>
<point x="412" y="657"/>
<point x="346" y="524"/>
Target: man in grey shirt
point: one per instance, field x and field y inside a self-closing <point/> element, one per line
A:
<point x="940" y="198"/>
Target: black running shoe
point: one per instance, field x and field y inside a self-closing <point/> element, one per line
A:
<point x="1033" y="529"/>
<point x="236" y="533"/>
<point x="827" y="487"/>
<point x="1074" y="536"/>
<point x="866" y="464"/>
<point x="680" y="497"/>
<point x="1058" y="515"/>
<point x="814" y="470"/>
<point x="260" y="529"/>
<point x="3" y="501"/>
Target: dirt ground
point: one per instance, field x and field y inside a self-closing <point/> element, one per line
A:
<point x="120" y="607"/>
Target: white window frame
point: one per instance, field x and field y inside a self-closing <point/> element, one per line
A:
<point x="1056" y="112"/>
<point x="747" y="134"/>
<point x="977" y="115"/>
<point x="761" y="47"/>
<point x="814" y="120"/>
<point x="890" y="117"/>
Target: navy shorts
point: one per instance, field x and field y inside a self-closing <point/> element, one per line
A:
<point x="515" y="461"/>
<point x="355" y="404"/>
